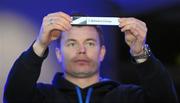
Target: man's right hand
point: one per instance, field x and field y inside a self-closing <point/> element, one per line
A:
<point x="52" y="26"/>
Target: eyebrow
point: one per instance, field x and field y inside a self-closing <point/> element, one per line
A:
<point x="69" y="40"/>
<point x="91" y="40"/>
<point x="73" y="40"/>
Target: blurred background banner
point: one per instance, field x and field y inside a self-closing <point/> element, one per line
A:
<point x="20" y="21"/>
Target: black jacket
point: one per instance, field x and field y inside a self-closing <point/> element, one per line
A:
<point x="21" y="86"/>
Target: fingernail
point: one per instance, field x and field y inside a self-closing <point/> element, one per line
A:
<point x="120" y="25"/>
<point x="70" y="19"/>
<point x="119" y="20"/>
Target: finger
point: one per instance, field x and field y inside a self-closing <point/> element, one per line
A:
<point x="65" y="16"/>
<point x="127" y="27"/>
<point x="139" y="27"/>
<point x="129" y="37"/>
<point x="61" y="14"/>
<point x="55" y="34"/>
<point x="131" y="40"/>
<point x="59" y="21"/>
<point x="64" y="22"/>
<point x="140" y="35"/>
<point x="127" y="21"/>
<point x="131" y="31"/>
<point x="135" y="29"/>
<point x="124" y="21"/>
<point x="54" y="26"/>
<point x="141" y="22"/>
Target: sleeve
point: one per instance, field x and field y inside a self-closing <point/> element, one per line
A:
<point x="156" y="82"/>
<point x="22" y="78"/>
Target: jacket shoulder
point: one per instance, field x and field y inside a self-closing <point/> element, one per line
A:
<point x="126" y="93"/>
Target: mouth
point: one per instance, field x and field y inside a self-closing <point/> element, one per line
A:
<point x="81" y="61"/>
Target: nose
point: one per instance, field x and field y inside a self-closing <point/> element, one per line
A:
<point x="82" y="49"/>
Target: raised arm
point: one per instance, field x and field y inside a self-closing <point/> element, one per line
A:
<point x="154" y="79"/>
<point x="21" y="82"/>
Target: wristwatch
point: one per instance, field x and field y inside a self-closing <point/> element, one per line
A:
<point x="146" y="54"/>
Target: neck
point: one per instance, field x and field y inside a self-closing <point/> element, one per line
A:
<point x="83" y="82"/>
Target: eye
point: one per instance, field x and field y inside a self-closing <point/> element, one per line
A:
<point x="90" y="44"/>
<point x="71" y="44"/>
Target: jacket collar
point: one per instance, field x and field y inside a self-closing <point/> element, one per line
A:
<point x="61" y="83"/>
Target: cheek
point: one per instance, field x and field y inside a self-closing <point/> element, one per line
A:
<point x="66" y="60"/>
<point x="94" y="54"/>
<point x="95" y="59"/>
<point x="67" y="55"/>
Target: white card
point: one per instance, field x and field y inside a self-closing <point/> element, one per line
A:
<point x="79" y="20"/>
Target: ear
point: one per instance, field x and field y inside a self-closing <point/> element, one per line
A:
<point x="58" y="54"/>
<point x="102" y="52"/>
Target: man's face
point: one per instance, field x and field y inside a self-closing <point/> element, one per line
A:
<point x="80" y="52"/>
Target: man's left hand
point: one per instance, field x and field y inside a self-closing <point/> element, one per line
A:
<point x="135" y="34"/>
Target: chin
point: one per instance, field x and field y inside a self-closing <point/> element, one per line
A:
<point x="83" y="69"/>
<point x="83" y="74"/>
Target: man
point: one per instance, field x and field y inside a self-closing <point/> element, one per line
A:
<point x="80" y="50"/>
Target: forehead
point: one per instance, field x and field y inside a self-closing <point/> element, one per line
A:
<point x="80" y="33"/>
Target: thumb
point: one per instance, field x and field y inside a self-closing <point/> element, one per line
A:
<point x="55" y="34"/>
